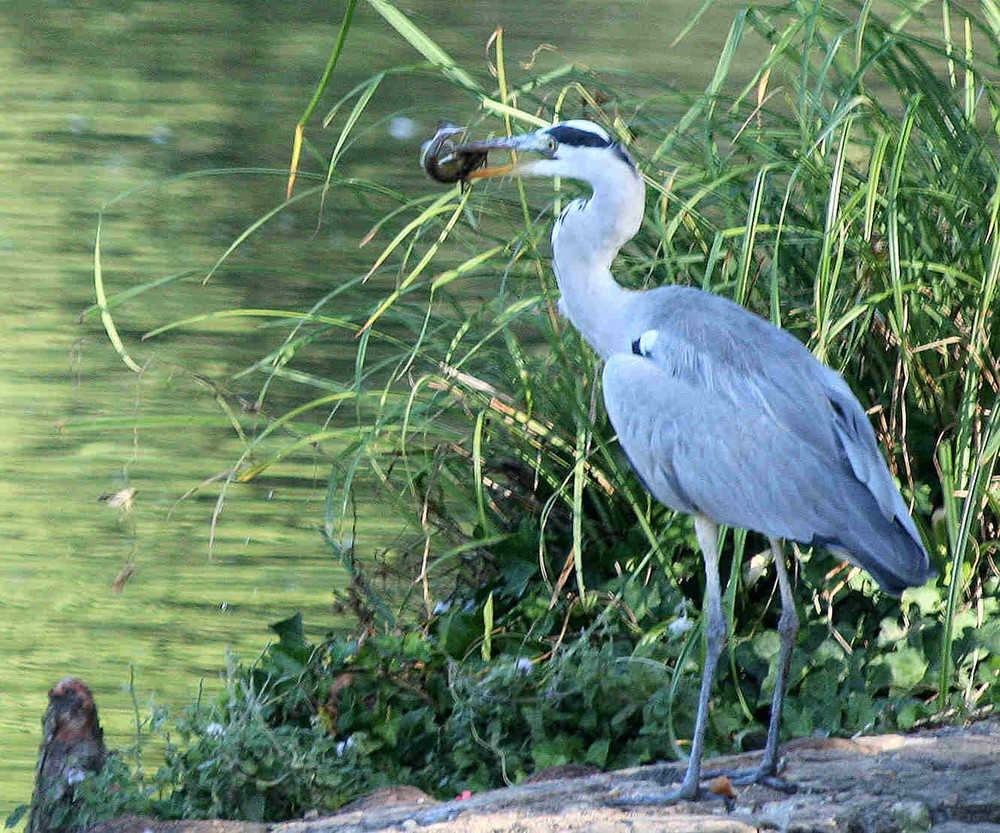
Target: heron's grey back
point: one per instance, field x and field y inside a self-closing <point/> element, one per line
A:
<point x="725" y="414"/>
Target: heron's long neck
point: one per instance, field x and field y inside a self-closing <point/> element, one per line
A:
<point x="584" y="243"/>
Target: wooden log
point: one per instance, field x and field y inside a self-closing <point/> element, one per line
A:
<point x="72" y="749"/>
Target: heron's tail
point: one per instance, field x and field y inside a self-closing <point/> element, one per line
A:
<point x="890" y="549"/>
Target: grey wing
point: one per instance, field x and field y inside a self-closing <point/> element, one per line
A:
<point x="783" y="449"/>
<point x="699" y="452"/>
<point x="857" y="440"/>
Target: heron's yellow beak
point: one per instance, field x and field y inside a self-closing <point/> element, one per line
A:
<point x="492" y="171"/>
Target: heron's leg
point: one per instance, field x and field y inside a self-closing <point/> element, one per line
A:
<point x="788" y="628"/>
<point x="715" y="637"/>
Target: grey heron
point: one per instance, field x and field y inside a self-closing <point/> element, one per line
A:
<point x="722" y="415"/>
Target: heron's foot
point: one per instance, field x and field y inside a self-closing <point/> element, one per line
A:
<point x="712" y="784"/>
<point x="657" y="799"/>
<point x="767" y="776"/>
<point x="710" y="787"/>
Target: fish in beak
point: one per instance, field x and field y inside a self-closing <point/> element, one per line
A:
<point x="444" y="161"/>
<point x="536" y="143"/>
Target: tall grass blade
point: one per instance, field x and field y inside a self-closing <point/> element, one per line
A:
<point x="338" y="48"/>
<point x="974" y="490"/>
<point x="102" y="304"/>
<point x="424" y="45"/>
<point x="706" y="102"/>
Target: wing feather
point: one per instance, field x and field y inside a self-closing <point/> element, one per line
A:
<point x="730" y="416"/>
<point x="695" y="453"/>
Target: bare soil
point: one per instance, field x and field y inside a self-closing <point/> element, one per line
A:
<point x="944" y="780"/>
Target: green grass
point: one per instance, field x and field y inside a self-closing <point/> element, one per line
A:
<point x="848" y="190"/>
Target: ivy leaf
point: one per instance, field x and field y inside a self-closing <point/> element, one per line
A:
<point x="906" y="667"/>
<point x="597" y="754"/>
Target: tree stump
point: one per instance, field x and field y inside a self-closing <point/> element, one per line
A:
<point x="72" y="748"/>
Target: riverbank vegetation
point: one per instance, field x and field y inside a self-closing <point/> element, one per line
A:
<point x="541" y="608"/>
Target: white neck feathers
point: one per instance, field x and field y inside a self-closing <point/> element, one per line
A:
<point x="585" y="240"/>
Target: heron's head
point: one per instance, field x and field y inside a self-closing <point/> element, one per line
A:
<point x="575" y="149"/>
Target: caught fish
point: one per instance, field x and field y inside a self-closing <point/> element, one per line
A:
<point x="443" y="162"/>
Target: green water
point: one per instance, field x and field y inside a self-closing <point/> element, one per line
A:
<point x="105" y="96"/>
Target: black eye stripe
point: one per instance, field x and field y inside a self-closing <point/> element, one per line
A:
<point x="574" y="136"/>
<point x="622" y="154"/>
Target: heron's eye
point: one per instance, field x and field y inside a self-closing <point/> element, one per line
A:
<point x="551" y="145"/>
